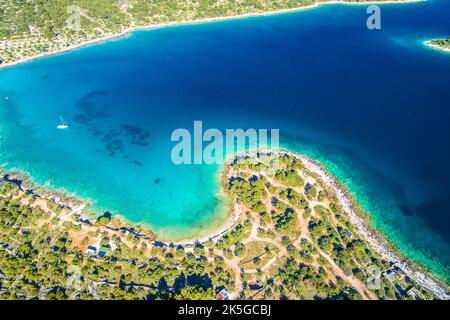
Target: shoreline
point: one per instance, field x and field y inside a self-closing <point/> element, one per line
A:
<point x="436" y="47"/>
<point x="130" y="30"/>
<point x="360" y="219"/>
<point x="233" y="213"/>
<point x="374" y="238"/>
<point x="73" y="203"/>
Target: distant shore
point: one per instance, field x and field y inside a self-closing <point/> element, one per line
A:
<point x="437" y="47"/>
<point x="130" y="30"/>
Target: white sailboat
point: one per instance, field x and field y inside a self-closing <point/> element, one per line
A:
<point x="63" y="124"/>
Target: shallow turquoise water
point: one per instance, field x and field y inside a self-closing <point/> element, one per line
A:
<point x="371" y="105"/>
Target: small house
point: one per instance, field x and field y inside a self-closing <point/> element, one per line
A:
<point x="222" y="295"/>
<point x="91" y="250"/>
<point x="103" y="251"/>
<point x="390" y="275"/>
<point x="256" y="286"/>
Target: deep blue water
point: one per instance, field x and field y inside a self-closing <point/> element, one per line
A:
<point x="374" y="106"/>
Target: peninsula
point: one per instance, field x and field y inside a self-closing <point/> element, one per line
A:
<point x="296" y="235"/>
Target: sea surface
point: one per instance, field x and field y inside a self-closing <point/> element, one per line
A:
<point x="372" y="105"/>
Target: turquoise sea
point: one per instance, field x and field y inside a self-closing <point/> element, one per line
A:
<point x="372" y="105"/>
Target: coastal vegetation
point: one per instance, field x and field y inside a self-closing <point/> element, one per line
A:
<point x="292" y="240"/>
<point x="32" y="28"/>
<point x="440" y="44"/>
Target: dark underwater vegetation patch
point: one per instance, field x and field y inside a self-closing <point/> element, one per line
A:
<point x="89" y="113"/>
<point x="113" y="144"/>
<point x="137" y="136"/>
<point x="91" y="116"/>
<point x="116" y="139"/>
<point x="138" y="163"/>
<point x="47" y="75"/>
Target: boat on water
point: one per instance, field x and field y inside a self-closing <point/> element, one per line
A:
<point x="63" y="124"/>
